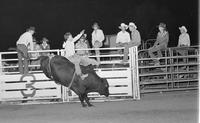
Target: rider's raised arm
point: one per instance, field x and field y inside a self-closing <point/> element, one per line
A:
<point x="78" y="36"/>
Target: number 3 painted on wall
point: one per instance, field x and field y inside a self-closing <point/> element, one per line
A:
<point x="30" y="79"/>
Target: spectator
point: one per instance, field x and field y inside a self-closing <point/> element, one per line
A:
<point x="35" y="55"/>
<point x="36" y="47"/>
<point x="183" y="41"/>
<point x="85" y="60"/>
<point x="135" y="40"/>
<point x="184" y="38"/>
<point x="160" y="44"/>
<point x="97" y="39"/>
<point x="123" y="37"/>
<point x="23" y="42"/>
<point x="45" y="46"/>
<point x="68" y="45"/>
<point x="82" y="44"/>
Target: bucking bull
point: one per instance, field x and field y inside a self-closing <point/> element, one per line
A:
<point x="61" y="70"/>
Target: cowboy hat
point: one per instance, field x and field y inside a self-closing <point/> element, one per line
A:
<point x="183" y="28"/>
<point x="132" y="25"/>
<point x="123" y="25"/>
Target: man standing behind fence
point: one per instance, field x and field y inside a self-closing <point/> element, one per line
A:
<point x="183" y="42"/>
<point x="23" y="42"/>
<point x="45" y="46"/>
<point x="97" y="39"/>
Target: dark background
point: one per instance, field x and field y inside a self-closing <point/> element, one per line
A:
<point x="52" y="18"/>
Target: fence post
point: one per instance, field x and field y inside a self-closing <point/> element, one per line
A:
<point x="58" y="52"/>
<point x="1" y="65"/>
<point x="1" y="73"/>
<point x="62" y="52"/>
<point x="135" y="72"/>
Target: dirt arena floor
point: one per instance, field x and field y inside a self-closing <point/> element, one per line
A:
<point x="173" y="107"/>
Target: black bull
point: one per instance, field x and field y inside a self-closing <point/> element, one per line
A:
<point x="61" y="70"/>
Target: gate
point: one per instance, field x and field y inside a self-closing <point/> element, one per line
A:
<point x="28" y="87"/>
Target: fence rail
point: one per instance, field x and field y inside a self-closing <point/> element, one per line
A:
<point x="139" y="76"/>
<point x="174" y="73"/>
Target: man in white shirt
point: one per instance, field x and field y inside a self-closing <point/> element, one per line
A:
<point x="25" y="40"/>
<point x="69" y="47"/>
<point x="183" y="41"/>
<point x="123" y="37"/>
<point x="97" y="39"/>
<point x="184" y="38"/>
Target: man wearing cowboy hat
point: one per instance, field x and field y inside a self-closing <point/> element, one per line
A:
<point x="184" y="38"/>
<point x="161" y="43"/>
<point x="25" y="40"/>
<point x="123" y="37"/>
<point x="183" y="41"/>
<point x="135" y="40"/>
<point x="97" y="38"/>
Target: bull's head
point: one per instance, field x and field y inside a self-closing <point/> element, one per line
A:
<point x="104" y="87"/>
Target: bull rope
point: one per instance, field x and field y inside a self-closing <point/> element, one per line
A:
<point x="72" y="80"/>
<point x="50" y="57"/>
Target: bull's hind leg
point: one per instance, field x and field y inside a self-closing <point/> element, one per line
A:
<point x="87" y="100"/>
<point x="81" y="97"/>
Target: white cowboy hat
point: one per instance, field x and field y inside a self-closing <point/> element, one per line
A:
<point x="123" y="25"/>
<point x="133" y="25"/>
<point x="183" y="28"/>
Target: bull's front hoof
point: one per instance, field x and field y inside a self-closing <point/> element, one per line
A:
<point x="84" y="105"/>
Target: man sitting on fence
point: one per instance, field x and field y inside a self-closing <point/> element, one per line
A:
<point x="23" y="42"/>
<point x="183" y="41"/>
<point x="135" y="40"/>
<point x="160" y="44"/>
<point x="123" y="37"/>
